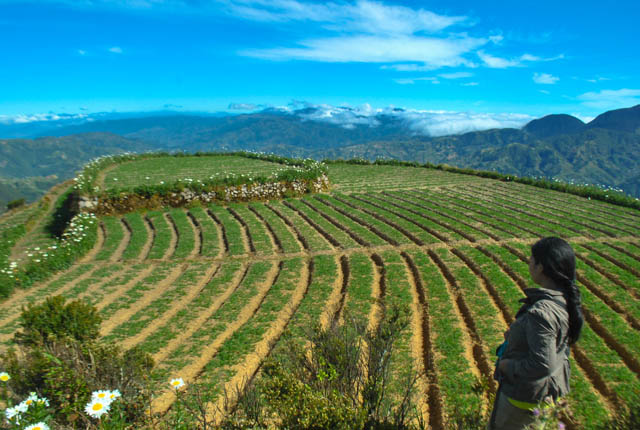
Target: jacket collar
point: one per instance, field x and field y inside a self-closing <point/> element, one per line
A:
<point x="536" y="294"/>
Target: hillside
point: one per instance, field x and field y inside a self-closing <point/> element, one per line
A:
<point x="211" y="290"/>
<point x="606" y="151"/>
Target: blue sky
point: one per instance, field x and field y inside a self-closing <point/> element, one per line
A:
<point x="490" y="59"/>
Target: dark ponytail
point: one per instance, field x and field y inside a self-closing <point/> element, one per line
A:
<point x="559" y="264"/>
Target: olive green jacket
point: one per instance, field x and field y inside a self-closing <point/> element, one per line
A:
<point x="538" y="349"/>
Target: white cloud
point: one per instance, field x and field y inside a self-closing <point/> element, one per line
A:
<point x="421" y="122"/>
<point x="494" y="62"/>
<point x="115" y="50"/>
<point x="611" y="99"/>
<point x="456" y="75"/>
<point x="82" y="52"/>
<point x="470" y="84"/>
<point x="24" y="119"/>
<point x="545" y="78"/>
<point x="432" y="52"/>
<point x="544" y="92"/>
<point x="363" y="16"/>
<point x="404" y="81"/>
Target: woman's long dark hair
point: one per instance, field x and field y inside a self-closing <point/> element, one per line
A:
<point x="559" y="263"/>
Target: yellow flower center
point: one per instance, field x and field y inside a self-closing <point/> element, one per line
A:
<point x="176" y="383"/>
<point x="4" y="378"/>
<point x="37" y="428"/>
<point x="97" y="407"/>
<point x="29" y="402"/>
<point x="101" y="395"/>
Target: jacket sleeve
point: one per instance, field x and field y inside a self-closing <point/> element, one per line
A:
<point x="542" y="358"/>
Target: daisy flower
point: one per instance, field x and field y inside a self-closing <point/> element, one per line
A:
<point x="22" y="407"/>
<point x="37" y="426"/>
<point x="96" y="408"/>
<point x="4" y="376"/>
<point x="32" y="398"/>
<point x="10" y="413"/>
<point x="114" y="395"/>
<point x="177" y="383"/>
<point x="100" y="395"/>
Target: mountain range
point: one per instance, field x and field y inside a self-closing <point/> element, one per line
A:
<point x="603" y="151"/>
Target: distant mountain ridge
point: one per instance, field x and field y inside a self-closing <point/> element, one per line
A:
<point x="604" y="151"/>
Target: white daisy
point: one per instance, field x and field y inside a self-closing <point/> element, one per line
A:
<point x="4" y="376"/>
<point x="10" y="413"/>
<point x="177" y="383"/>
<point x="114" y="395"/>
<point x="22" y="407"/>
<point x="96" y="408"/>
<point x="37" y="426"/>
<point x="101" y="395"/>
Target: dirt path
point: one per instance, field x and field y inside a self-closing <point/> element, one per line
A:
<point x="190" y="372"/>
<point x="122" y="246"/>
<point x="204" y="316"/>
<point x="112" y="296"/>
<point x="197" y="236"/>
<point x="151" y="235"/>
<point x="333" y="302"/>
<point x="245" y="371"/>
<point x="173" y="243"/>
<point x="176" y="306"/>
<point x="420" y="342"/>
<point x="103" y="174"/>
<point x="123" y="315"/>
<point x="97" y="246"/>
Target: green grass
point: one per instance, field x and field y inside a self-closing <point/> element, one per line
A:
<point x="114" y="233"/>
<point x="211" y="241"/>
<point x="170" y="169"/>
<point x="314" y="239"/>
<point x="186" y="233"/>
<point x="216" y="324"/>
<point x="232" y="229"/>
<point x="162" y="236"/>
<point x="361" y="274"/>
<point x="360" y="178"/>
<point x="260" y="237"/>
<point x="339" y="235"/>
<point x="139" y="236"/>
<point x="455" y="379"/>
<point x="287" y="239"/>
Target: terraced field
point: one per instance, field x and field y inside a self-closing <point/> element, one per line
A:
<point x="209" y="291"/>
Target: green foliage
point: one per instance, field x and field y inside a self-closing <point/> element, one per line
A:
<point x="61" y="360"/>
<point x="328" y="384"/>
<point x="54" y="319"/>
<point x="13" y="204"/>
<point x="588" y="191"/>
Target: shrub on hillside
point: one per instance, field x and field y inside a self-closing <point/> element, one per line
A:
<point x="338" y="380"/>
<point x="59" y="359"/>
<point x="13" y="204"/>
<point x="42" y="324"/>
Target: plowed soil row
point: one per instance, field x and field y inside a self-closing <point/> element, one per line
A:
<point x="246" y="232"/>
<point x="537" y="205"/>
<point x="575" y="208"/>
<point x="381" y="218"/>
<point x="274" y="237"/>
<point x="292" y="228"/>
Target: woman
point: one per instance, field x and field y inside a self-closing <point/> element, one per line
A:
<point x="534" y="360"/>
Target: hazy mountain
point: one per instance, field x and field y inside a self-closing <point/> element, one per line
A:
<point x="553" y="125"/>
<point x="619" y="120"/>
<point x="604" y="151"/>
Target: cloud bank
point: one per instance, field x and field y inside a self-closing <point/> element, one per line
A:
<point x="420" y="122"/>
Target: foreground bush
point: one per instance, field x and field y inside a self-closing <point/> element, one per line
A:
<point x="59" y="359"/>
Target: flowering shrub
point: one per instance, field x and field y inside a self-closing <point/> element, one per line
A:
<point x="297" y="177"/>
<point x="78" y="238"/>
